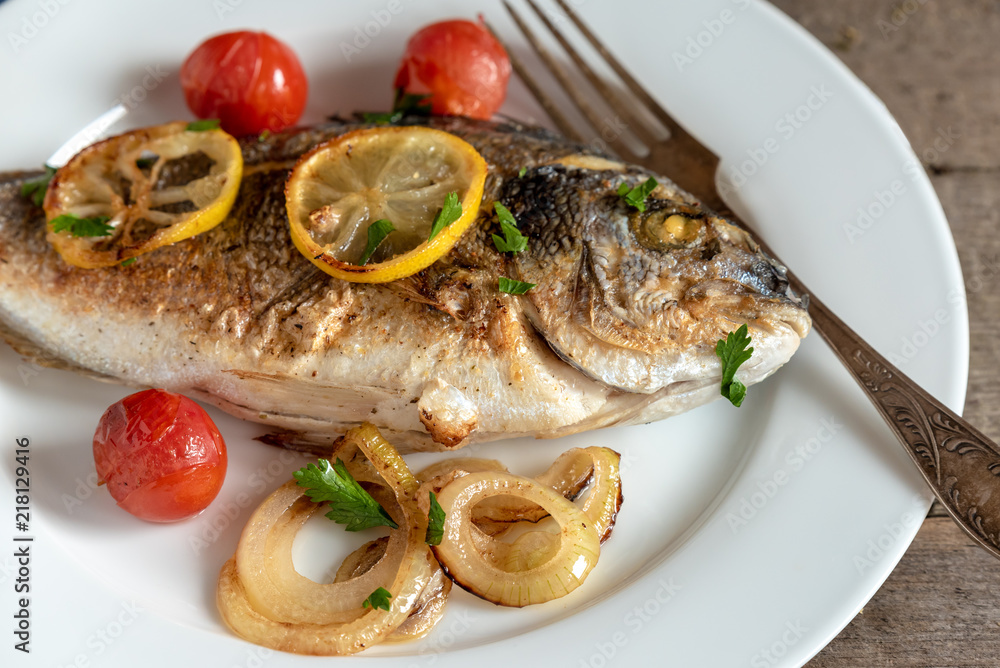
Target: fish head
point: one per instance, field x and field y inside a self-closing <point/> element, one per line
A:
<point x="637" y="299"/>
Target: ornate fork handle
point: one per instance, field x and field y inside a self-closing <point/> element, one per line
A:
<point x="959" y="463"/>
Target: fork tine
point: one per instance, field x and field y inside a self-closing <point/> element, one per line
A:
<point x="629" y="80"/>
<point x="536" y="91"/>
<point x="691" y="165"/>
<point x="568" y="86"/>
<point x="611" y="97"/>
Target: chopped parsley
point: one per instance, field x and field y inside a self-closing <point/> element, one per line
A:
<point x="733" y="352"/>
<point x="128" y="262"/>
<point x="512" y="287"/>
<point x="435" y="522"/>
<point x="449" y="213"/>
<point x="379" y="599"/>
<point x="512" y="240"/>
<point x="203" y="125"/>
<point x="377" y="232"/>
<point x="349" y="503"/>
<point x="263" y="136"/>
<point x="405" y="104"/>
<point x="637" y="196"/>
<point x="521" y="172"/>
<point x="35" y="188"/>
<point x="82" y="227"/>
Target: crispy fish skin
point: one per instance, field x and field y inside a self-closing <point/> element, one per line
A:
<point x="621" y="328"/>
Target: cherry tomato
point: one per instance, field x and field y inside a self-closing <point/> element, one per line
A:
<point x="160" y="454"/>
<point x="460" y="64"/>
<point x="248" y="80"/>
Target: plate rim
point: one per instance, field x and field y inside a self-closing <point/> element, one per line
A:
<point x="941" y="228"/>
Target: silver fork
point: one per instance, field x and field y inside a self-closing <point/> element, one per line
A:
<point x="958" y="462"/>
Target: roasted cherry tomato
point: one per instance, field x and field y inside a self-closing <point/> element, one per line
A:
<point x="460" y="64"/>
<point x="162" y="457"/>
<point x="248" y="80"/>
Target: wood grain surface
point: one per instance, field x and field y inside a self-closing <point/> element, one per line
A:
<point x="936" y="65"/>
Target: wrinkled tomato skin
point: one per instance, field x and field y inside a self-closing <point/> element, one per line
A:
<point x="460" y="64"/>
<point x="249" y="80"/>
<point x="161" y="456"/>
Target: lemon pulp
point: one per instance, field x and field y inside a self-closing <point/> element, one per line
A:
<point x="134" y="184"/>
<point x="400" y="174"/>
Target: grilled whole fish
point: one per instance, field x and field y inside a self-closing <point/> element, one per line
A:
<point x="620" y="329"/>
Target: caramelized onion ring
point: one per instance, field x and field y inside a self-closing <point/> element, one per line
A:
<point x="321" y="639"/>
<point x="262" y="597"/>
<point x="605" y="497"/>
<point x="569" y="474"/>
<point x="428" y="609"/>
<point x="273" y="586"/>
<point x="473" y="560"/>
<point x="385" y="459"/>
<point x="467" y="464"/>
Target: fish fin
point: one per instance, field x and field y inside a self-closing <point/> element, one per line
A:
<point x="321" y="445"/>
<point x="325" y="444"/>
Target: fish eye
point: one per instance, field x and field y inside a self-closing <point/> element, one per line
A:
<point x="669" y="228"/>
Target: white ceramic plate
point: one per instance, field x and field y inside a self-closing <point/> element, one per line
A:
<point x="748" y="537"/>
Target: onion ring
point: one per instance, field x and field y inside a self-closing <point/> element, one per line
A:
<point x="320" y="639"/>
<point x="568" y="475"/>
<point x="264" y="599"/>
<point x="605" y="498"/>
<point x="430" y="605"/>
<point x="471" y="558"/>
<point x="273" y="586"/>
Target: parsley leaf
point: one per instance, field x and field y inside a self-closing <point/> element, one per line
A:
<point x="405" y="104"/>
<point x="379" y="599"/>
<point x="412" y="103"/>
<point x="82" y="227"/>
<point x="733" y="352"/>
<point x="36" y="187"/>
<point x="637" y="196"/>
<point x="449" y="213"/>
<point x="512" y="287"/>
<point x="512" y="241"/>
<point x="377" y="232"/>
<point x="435" y="522"/>
<point x="381" y="118"/>
<point x="349" y="503"/>
<point x="504" y="214"/>
<point x="521" y="172"/>
<point x="201" y="126"/>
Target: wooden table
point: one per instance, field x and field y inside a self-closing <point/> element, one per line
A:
<point x="936" y="64"/>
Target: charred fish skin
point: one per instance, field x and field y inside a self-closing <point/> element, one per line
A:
<point x="620" y="329"/>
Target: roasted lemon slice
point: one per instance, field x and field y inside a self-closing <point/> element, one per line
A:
<point x="141" y="190"/>
<point x="408" y="176"/>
